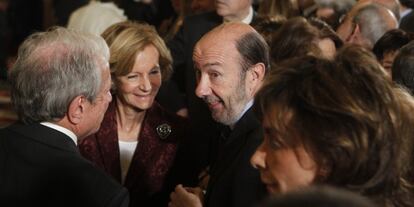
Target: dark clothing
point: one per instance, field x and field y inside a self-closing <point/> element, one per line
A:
<point x="152" y="159"/>
<point x="64" y="8"/>
<point x="4" y="37"/>
<point x="170" y="97"/>
<point x="40" y="166"/>
<point x="24" y="18"/>
<point x="153" y="13"/>
<point x="407" y="22"/>
<point x="233" y="181"/>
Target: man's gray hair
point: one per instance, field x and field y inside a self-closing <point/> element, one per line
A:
<point x="341" y="5"/>
<point x="253" y="49"/>
<point x="54" y="67"/>
<point x="373" y="21"/>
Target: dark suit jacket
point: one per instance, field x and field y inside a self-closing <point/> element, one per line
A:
<point x="233" y="181"/>
<point x="40" y="166"/>
<point x="407" y="22"/>
<point x="152" y="159"/>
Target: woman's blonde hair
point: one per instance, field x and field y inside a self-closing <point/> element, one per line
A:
<point x="127" y="39"/>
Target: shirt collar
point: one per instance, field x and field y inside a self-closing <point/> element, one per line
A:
<point x="61" y="129"/>
<point x="247" y="107"/>
<point x="249" y="18"/>
<point x="405" y="12"/>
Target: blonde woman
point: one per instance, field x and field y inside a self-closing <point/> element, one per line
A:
<point x="137" y="141"/>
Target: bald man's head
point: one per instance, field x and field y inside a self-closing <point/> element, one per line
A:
<point x="366" y="23"/>
<point x="226" y="33"/>
<point x="230" y="62"/>
<point x="238" y="37"/>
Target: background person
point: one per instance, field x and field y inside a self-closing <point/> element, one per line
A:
<point x="387" y="47"/>
<point x="403" y="67"/>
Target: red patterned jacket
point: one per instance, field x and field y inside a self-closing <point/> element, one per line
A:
<point x="152" y="158"/>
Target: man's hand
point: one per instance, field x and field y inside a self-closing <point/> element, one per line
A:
<point x="186" y="197"/>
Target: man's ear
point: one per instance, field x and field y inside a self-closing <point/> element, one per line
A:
<point x="76" y="109"/>
<point x="355" y="34"/>
<point x="255" y="77"/>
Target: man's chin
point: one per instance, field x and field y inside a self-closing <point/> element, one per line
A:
<point x="223" y="120"/>
<point x="219" y="119"/>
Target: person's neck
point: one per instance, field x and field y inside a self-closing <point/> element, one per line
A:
<point x="237" y="17"/>
<point x="403" y="9"/>
<point x="128" y="119"/>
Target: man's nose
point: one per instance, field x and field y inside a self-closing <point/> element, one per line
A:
<point x="203" y="87"/>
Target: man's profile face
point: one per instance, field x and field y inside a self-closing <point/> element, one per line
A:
<point x="220" y="81"/>
<point x="95" y="111"/>
<point x="231" y="8"/>
<point x="345" y="28"/>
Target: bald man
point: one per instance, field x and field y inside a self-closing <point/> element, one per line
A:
<point x="230" y="63"/>
<point x="366" y="23"/>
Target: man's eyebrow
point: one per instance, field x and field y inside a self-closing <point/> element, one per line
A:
<point x="208" y="64"/>
<point x="211" y="64"/>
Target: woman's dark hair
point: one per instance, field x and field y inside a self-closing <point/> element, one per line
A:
<point x="299" y="37"/>
<point x="350" y="118"/>
<point x="391" y="41"/>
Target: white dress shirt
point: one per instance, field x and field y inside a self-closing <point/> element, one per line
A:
<point x="61" y="129"/>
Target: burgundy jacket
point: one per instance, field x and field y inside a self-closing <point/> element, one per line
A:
<point x="152" y="159"/>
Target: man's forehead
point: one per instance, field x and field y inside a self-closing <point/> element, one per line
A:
<point x="208" y="57"/>
<point x="228" y="32"/>
<point x="214" y="52"/>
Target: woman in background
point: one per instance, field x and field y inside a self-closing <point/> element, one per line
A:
<point x="341" y="123"/>
<point x="138" y="139"/>
<point x="299" y="37"/>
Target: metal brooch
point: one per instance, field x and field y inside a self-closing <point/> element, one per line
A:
<point x="164" y="130"/>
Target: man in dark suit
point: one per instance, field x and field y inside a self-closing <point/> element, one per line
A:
<point x="407" y="15"/>
<point x="60" y="90"/>
<point x="230" y="62"/>
<point x="181" y="46"/>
